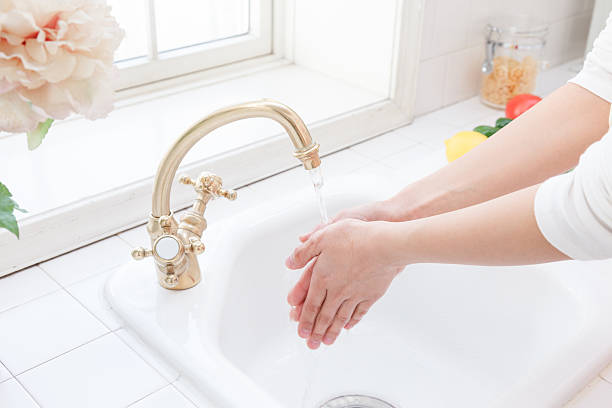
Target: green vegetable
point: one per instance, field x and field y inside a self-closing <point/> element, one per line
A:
<point x="7" y="207"/>
<point x="501" y="122"/>
<point x="488" y="131"/>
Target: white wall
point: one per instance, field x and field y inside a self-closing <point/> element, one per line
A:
<point x="353" y="40"/>
<point x="347" y="39"/>
<point x="453" y="42"/>
<point x="600" y="16"/>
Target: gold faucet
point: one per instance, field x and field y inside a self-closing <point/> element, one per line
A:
<point x="175" y="246"/>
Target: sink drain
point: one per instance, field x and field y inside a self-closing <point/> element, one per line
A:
<point x="356" y="401"/>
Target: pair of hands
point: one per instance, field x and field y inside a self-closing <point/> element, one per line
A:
<point x="347" y="270"/>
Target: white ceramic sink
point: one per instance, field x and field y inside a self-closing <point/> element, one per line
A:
<point x="444" y="335"/>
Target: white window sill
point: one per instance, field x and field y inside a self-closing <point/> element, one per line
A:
<point x="100" y="172"/>
<point x="80" y="159"/>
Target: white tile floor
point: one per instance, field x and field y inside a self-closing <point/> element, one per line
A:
<point x="61" y="346"/>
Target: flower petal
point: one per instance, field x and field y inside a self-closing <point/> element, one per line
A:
<point x="16" y="115"/>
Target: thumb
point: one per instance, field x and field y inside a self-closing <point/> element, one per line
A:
<point x="306" y="237"/>
<point x="304" y="253"/>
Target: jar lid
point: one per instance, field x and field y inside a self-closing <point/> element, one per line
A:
<point x="517" y="26"/>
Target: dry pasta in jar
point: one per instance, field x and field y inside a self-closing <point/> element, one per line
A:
<point x="509" y="78"/>
<point x="513" y="50"/>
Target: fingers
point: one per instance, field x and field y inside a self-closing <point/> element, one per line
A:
<point x="295" y="313"/>
<point x="342" y="317"/>
<point x="360" y="311"/>
<point x="303" y="254"/>
<point x="310" y="309"/>
<point x="306" y="237"/>
<point x="324" y="320"/>
<point x="297" y="295"/>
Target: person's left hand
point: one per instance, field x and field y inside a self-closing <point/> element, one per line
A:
<point x="351" y="269"/>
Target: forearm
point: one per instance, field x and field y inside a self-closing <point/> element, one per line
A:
<point x="502" y="231"/>
<point x="545" y="141"/>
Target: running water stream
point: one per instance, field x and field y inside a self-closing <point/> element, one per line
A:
<point x="316" y="176"/>
<point x="317" y="181"/>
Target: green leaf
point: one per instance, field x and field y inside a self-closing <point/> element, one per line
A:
<point x="36" y="136"/>
<point x="7" y="207"/>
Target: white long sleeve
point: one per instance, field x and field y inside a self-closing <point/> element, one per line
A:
<point x="574" y="210"/>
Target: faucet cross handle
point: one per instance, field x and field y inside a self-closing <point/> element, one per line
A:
<point x="209" y="183"/>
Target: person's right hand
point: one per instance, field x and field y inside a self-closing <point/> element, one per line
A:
<point x="376" y="211"/>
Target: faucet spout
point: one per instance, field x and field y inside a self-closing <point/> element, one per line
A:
<point x="175" y="246"/>
<point x="306" y="150"/>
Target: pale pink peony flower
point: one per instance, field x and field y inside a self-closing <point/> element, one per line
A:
<point x="56" y="58"/>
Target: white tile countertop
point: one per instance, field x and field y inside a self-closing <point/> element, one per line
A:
<point x="61" y="345"/>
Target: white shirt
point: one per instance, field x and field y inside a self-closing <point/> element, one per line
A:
<point x="574" y="210"/>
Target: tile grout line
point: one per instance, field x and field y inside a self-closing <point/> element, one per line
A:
<point x="90" y="311"/>
<point x="183" y="394"/>
<point x="147" y="395"/>
<point x="173" y="384"/>
<point x="63" y="353"/>
<point x="69" y="293"/>
<point x="118" y="235"/>
<point x="28" y="392"/>
<point x="86" y="278"/>
<point x="114" y="331"/>
<point x="109" y="332"/>
<point x="14" y="377"/>
<point x="145" y="359"/>
<point x="32" y="300"/>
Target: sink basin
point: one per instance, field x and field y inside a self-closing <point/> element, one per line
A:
<point x="444" y="335"/>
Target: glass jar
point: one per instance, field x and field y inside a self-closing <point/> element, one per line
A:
<point x="513" y="58"/>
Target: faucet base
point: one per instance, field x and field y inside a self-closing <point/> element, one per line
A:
<point x="186" y="280"/>
<point x="184" y="271"/>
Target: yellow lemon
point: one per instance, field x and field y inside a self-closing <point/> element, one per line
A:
<point x="461" y="143"/>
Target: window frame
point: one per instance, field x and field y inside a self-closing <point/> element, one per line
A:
<point x="155" y="67"/>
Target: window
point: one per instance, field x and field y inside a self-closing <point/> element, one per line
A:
<point x="169" y="38"/>
<point x="347" y="67"/>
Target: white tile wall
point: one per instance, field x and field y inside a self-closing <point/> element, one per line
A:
<point x="453" y="42"/>
<point x="461" y="77"/>
<point x="431" y="84"/>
